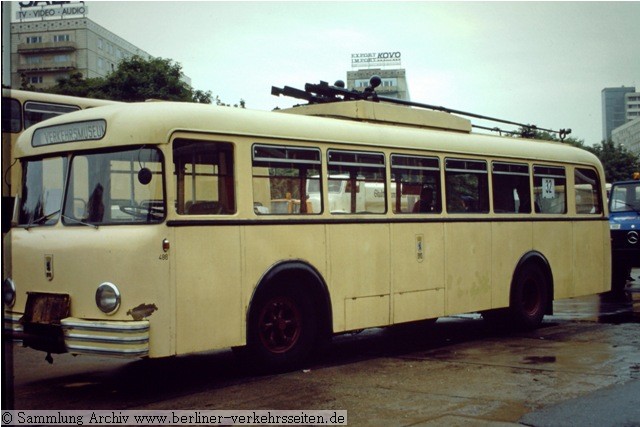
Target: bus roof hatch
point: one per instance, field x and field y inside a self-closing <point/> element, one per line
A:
<point x="381" y="112"/>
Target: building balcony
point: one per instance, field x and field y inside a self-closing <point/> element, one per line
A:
<point x="47" y="47"/>
<point x="47" y="67"/>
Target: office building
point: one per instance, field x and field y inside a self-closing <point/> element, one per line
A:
<point x="394" y="82"/>
<point x="632" y="105"/>
<point x="614" y="109"/>
<point x="386" y="65"/>
<point x="44" y="51"/>
<point x="628" y="136"/>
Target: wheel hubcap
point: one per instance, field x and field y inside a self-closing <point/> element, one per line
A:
<point x="531" y="300"/>
<point x="279" y="324"/>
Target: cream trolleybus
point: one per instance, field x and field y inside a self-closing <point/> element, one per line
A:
<point x="159" y="229"/>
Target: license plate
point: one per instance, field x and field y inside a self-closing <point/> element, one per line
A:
<point x="44" y="308"/>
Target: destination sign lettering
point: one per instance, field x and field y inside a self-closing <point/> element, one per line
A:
<point x="72" y="132"/>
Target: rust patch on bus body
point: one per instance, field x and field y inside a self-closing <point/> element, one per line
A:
<point x="142" y="311"/>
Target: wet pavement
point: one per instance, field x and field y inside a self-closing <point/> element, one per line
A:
<point x="582" y="367"/>
<point x="617" y="405"/>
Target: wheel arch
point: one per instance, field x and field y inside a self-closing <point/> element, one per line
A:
<point x="539" y="260"/>
<point x="297" y="273"/>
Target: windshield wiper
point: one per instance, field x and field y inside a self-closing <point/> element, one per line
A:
<point x="77" y="221"/>
<point x="633" y="208"/>
<point x="42" y="219"/>
<point x="45" y="218"/>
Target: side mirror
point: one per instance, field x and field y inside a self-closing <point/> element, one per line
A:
<point x="144" y="176"/>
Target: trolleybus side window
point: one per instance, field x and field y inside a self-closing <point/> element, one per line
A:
<point x="511" y="188"/>
<point x="550" y="189"/>
<point x="35" y="112"/>
<point x="204" y="174"/>
<point x="11" y="115"/>
<point x="361" y="179"/>
<point x="416" y="184"/>
<point x="467" y="186"/>
<point x="587" y="191"/>
<point x="43" y="182"/>
<point x="282" y="176"/>
<point x="124" y="186"/>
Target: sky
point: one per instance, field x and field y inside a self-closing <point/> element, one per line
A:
<point x="542" y="63"/>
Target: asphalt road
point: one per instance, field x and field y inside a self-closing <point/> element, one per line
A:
<point x="582" y="367"/>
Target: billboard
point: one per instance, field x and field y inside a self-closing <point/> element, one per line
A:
<point x="50" y="9"/>
<point x="375" y="59"/>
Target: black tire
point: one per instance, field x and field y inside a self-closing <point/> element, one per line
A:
<point x="620" y="271"/>
<point x="529" y="296"/>
<point x="283" y="329"/>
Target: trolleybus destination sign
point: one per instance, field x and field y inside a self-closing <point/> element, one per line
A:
<point x="375" y="59"/>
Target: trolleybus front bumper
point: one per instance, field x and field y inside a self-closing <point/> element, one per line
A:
<point x="81" y="336"/>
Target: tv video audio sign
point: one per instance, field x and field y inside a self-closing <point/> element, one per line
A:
<point x="50" y="9"/>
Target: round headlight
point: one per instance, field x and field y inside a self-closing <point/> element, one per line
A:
<point x="108" y="298"/>
<point x="8" y="292"/>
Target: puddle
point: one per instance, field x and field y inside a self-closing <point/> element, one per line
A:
<point x="624" y="308"/>
<point x="79" y="385"/>
<point x="604" y="308"/>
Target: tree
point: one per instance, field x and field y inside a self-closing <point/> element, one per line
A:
<point x="75" y="85"/>
<point x="619" y="164"/>
<point x="202" y="97"/>
<point x="532" y="132"/>
<point x="135" y="79"/>
<point x="25" y="84"/>
<point x="219" y="102"/>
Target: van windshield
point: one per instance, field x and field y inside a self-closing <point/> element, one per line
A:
<point x="625" y="198"/>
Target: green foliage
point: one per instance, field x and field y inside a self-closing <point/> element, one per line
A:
<point x="75" y="85"/>
<point x="219" y="102"/>
<point x="135" y="79"/>
<point x="202" y="97"/>
<point x="547" y="136"/>
<point x="619" y="164"/>
<point x="24" y="83"/>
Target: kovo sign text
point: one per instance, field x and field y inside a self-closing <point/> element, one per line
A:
<point x="376" y="58"/>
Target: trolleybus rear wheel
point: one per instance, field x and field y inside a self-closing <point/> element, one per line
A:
<point x="529" y="297"/>
<point x="282" y="329"/>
